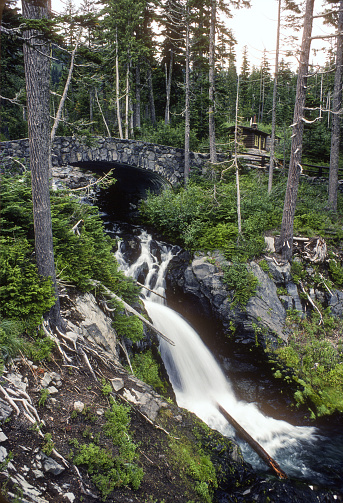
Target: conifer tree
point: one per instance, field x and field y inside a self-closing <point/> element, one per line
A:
<point x="37" y="76"/>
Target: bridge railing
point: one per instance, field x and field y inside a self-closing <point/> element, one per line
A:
<point x="262" y="160"/>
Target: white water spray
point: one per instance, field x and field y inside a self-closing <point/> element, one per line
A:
<point x="199" y="382"/>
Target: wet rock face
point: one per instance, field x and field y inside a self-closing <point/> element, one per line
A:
<point x="201" y="284"/>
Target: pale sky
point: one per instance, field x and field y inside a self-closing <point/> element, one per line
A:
<point x="256" y="28"/>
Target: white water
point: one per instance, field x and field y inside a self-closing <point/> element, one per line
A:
<point x="199" y="382"/>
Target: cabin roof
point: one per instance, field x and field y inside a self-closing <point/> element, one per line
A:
<point x="247" y="129"/>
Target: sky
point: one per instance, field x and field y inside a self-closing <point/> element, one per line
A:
<point x="256" y="29"/>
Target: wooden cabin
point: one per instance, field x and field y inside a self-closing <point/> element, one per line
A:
<point x="250" y="136"/>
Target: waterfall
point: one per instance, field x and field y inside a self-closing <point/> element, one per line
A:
<point x="198" y="380"/>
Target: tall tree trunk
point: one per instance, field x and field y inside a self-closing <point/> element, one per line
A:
<point x="151" y="97"/>
<point x="211" y="124"/>
<point x="286" y="237"/>
<point x="91" y="115"/>
<point x="336" y="116"/>
<point x="239" y="218"/>
<point x="272" y="140"/>
<point x="102" y="114"/>
<point x="66" y="87"/>
<point x="137" y="121"/>
<point x="187" y="110"/>
<point x="127" y="99"/>
<point x="37" y="76"/>
<point x="117" y="90"/>
<point x="168" y="87"/>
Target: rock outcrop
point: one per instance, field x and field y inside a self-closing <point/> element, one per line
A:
<point x="198" y="281"/>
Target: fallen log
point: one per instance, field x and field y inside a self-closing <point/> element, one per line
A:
<point x="253" y="444"/>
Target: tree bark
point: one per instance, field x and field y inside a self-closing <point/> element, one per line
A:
<point x="127" y="96"/>
<point x="151" y="97"/>
<point x="272" y="140"/>
<point x="239" y="217"/>
<point x="336" y="116"/>
<point x="137" y="121"/>
<point x="187" y="109"/>
<point x="211" y="123"/>
<point x="37" y="77"/>
<point x="286" y="237"/>
<point x="117" y="90"/>
<point x="168" y="87"/>
<point x="253" y="444"/>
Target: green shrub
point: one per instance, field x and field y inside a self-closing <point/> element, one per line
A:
<point x="127" y="326"/>
<point x="218" y="237"/>
<point x="146" y="369"/>
<point x="48" y="444"/>
<point x="336" y="272"/>
<point x="238" y="278"/>
<point x="315" y="362"/>
<point x="10" y="341"/>
<point x="196" y="465"/>
<point x="23" y="294"/>
<point x="111" y="468"/>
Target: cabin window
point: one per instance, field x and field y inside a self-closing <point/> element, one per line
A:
<point x="256" y="140"/>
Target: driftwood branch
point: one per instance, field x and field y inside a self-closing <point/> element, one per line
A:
<point x="152" y="291"/>
<point x="131" y="310"/>
<point x="311" y="302"/>
<point x="255" y="445"/>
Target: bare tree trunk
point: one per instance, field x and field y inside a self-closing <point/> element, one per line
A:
<point x="37" y="76"/>
<point x="168" y="87"/>
<point x="211" y="124"/>
<point x="336" y="116"/>
<point x="66" y="87"/>
<point x="117" y="90"/>
<point x="151" y="97"/>
<point x="137" y="121"/>
<point x="127" y="99"/>
<point x="286" y="237"/>
<point x="272" y="140"/>
<point x="102" y="114"/>
<point x="187" y="110"/>
<point x="91" y="109"/>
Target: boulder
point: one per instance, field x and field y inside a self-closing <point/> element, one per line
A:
<point x="202" y="281"/>
<point x="96" y="325"/>
<point x="335" y="303"/>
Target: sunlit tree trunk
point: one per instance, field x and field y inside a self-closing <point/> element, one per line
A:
<point x="118" y="90"/>
<point x="151" y="97"/>
<point x="272" y="140"/>
<point x="286" y="237"/>
<point x="37" y="77"/>
<point x="137" y="115"/>
<point x="336" y="116"/>
<point x="168" y="87"/>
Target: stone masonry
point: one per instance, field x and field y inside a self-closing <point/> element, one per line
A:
<point x="166" y="161"/>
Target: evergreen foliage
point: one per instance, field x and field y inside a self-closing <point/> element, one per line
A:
<point x="80" y="258"/>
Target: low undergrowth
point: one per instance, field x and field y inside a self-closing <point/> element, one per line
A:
<point x="114" y="465"/>
<point x="313" y="360"/>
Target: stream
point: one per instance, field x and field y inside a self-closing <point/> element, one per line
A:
<point x="204" y="369"/>
<point x="199" y="381"/>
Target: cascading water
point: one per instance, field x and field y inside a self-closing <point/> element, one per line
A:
<point x="199" y="382"/>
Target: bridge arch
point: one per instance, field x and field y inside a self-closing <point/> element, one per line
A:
<point x="121" y="199"/>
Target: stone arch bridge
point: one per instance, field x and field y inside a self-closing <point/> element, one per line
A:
<point x="156" y="160"/>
